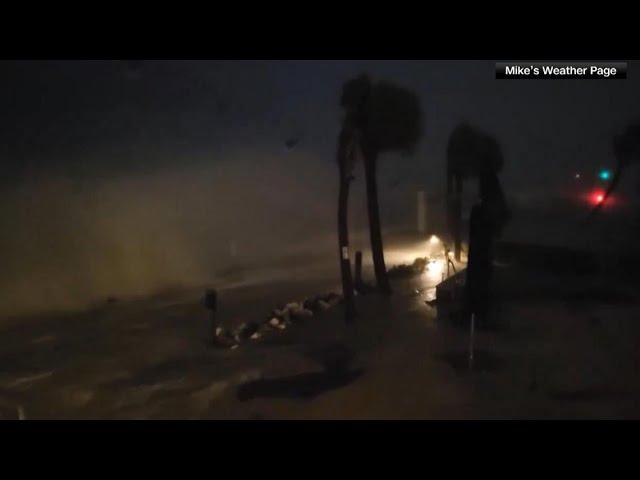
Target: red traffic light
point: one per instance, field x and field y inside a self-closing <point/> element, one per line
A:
<point x="597" y="197"/>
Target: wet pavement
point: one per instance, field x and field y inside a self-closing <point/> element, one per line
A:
<point x="566" y="347"/>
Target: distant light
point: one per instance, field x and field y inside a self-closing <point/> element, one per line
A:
<point x="577" y="176"/>
<point x="434" y="269"/>
<point x="433" y="240"/>
<point x="597" y="197"/>
<point x="605" y="174"/>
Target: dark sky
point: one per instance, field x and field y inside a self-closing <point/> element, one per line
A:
<point x="113" y="117"/>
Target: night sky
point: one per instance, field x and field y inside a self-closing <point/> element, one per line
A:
<point x="104" y="142"/>
<point x="112" y="117"/>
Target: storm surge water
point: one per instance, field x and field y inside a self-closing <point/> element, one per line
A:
<point x="68" y="243"/>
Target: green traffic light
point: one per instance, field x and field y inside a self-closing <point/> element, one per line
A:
<point x="605" y="174"/>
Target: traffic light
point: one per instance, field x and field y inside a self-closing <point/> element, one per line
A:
<point x="597" y="197"/>
<point x="604" y="174"/>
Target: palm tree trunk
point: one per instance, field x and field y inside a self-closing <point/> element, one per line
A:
<point x="375" y="233"/>
<point x="343" y="240"/>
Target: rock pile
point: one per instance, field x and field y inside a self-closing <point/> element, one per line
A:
<point x="280" y="318"/>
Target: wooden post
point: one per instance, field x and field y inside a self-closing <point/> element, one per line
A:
<point x="211" y="300"/>
<point x="358" y="279"/>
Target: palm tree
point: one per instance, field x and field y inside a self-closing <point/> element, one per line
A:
<point x="355" y="94"/>
<point x="626" y="148"/>
<point x="393" y="122"/>
<point x="471" y="153"/>
<point x="378" y="118"/>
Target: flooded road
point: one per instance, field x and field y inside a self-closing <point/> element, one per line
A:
<point x="562" y="351"/>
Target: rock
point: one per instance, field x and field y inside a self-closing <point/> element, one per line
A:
<point x="223" y="338"/>
<point x="244" y="331"/>
<point x="305" y="313"/>
<point x="311" y="304"/>
<point x="292" y="307"/>
<point x="275" y="321"/>
<point x="302" y="314"/>
<point x="322" y="305"/>
<point x="283" y="314"/>
<point x="333" y="299"/>
<point x="264" y="329"/>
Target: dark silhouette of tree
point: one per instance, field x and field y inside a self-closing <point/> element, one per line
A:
<point x="378" y="118"/>
<point x="355" y="94"/>
<point x="626" y="148"/>
<point x="393" y="122"/>
<point x="471" y="154"/>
